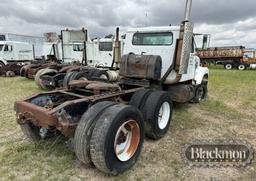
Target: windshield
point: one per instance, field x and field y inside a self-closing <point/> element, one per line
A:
<point x="106" y="46"/>
<point x="1" y="47"/>
<point x="153" y="39"/>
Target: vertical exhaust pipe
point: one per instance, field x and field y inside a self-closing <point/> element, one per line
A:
<point x="187" y="37"/>
<point x="184" y="46"/>
<point x="188" y="10"/>
<point x="84" y="61"/>
<point x="117" y="49"/>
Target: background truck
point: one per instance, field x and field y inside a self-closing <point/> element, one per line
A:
<point x="11" y="52"/>
<point x="107" y="121"/>
<point x="35" y="41"/>
<point x="70" y="48"/>
<point x="231" y="57"/>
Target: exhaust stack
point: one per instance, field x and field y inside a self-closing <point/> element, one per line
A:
<point x="188" y="10"/>
<point x="117" y="49"/>
<point x="183" y="47"/>
<point x="186" y="33"/>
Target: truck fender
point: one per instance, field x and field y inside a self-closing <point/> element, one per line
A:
<point x="3" y="61"/>
<point x="201" y="73"/>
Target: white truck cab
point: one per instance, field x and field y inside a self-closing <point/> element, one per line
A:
<point x="162" y="41"/>
<point x="11" y="52"/>
<point x="102" y="52"/>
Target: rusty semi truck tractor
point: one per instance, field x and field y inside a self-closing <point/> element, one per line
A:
<point x="108" y="120"/>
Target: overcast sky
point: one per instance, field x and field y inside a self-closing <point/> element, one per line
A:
<point x="230" y="22"/>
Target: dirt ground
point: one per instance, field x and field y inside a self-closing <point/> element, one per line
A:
<point x="229" y="113"/>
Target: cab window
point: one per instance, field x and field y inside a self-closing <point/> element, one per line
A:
<point x="7" y="48"/>
<point x="105" y="46"/>
<point x="1" y="47"/>
<point x="78" y="47"/>
<point x="153" y="39"/>
<point x="248" y="55"/>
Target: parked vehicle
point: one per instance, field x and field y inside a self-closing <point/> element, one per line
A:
<point x="99" y="64"/>
<point x="13" y="52"/>
<point x="107" y="121"/>
<point x="231" y="57"/>
<point x="35" y="41"/>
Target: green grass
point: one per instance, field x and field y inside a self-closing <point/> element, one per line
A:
<point x="229" y="113"/>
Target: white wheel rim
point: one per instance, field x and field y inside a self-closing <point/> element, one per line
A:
<point x="103" y="76"/>
<point x="241" y="67"/>
<point x="164" y="115"/>
<point x="228" y="66"/>
<point x="127" y="140"/>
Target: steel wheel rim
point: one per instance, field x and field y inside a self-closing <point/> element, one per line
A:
<point x="164" y="115"/>
<point x="127" y="140"/>
<point x="228" y="66"/>
<point x="241" y="67"/>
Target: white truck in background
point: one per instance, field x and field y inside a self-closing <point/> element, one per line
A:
<point x="70" y="48"/>
<point x="35" y="41"/>
<point x="15" y="52"/>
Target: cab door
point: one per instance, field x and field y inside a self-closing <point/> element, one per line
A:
<point x="8" y="52"/>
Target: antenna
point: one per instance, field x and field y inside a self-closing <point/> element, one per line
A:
<point x="146" y="12"/>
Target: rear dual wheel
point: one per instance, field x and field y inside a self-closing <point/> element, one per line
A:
<point x="83" y="75"/>
<point x="156" y="107"/>
<point x="111" y="138"/>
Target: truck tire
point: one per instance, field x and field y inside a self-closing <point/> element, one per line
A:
<point x="67" y="78"/>
<point x="157" y="114"/>
<point x="99" y="75"/>
<point x="31" y="131"/>
<point x="241" y="67"/>
<point x="37" y="78"/>
<point x="24" y="70"/>
<point x="43" y="72"/>
<point x="47" y="72"/>
<point x="117" y="139"/>
<point x="228" y="66"/>
<point x="200" y="93"/>
<point x="85" y="128"/>
<point x="139" y="98"/>
<point x="10" y="74"/>
<point x="79" y="76"/>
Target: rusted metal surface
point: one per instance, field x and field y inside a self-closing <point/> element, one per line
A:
<point x="36" y="114"/>
<point x="33" y="69"/>
<point x="94" y="85"/>
<point x="70" y="68"/>
<point x="249" y="59"/>
<point x="141" y="66"/>
<point x="11" y="67"/>
<point x="221" y="52"/>
<point x="52" y="109"/>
